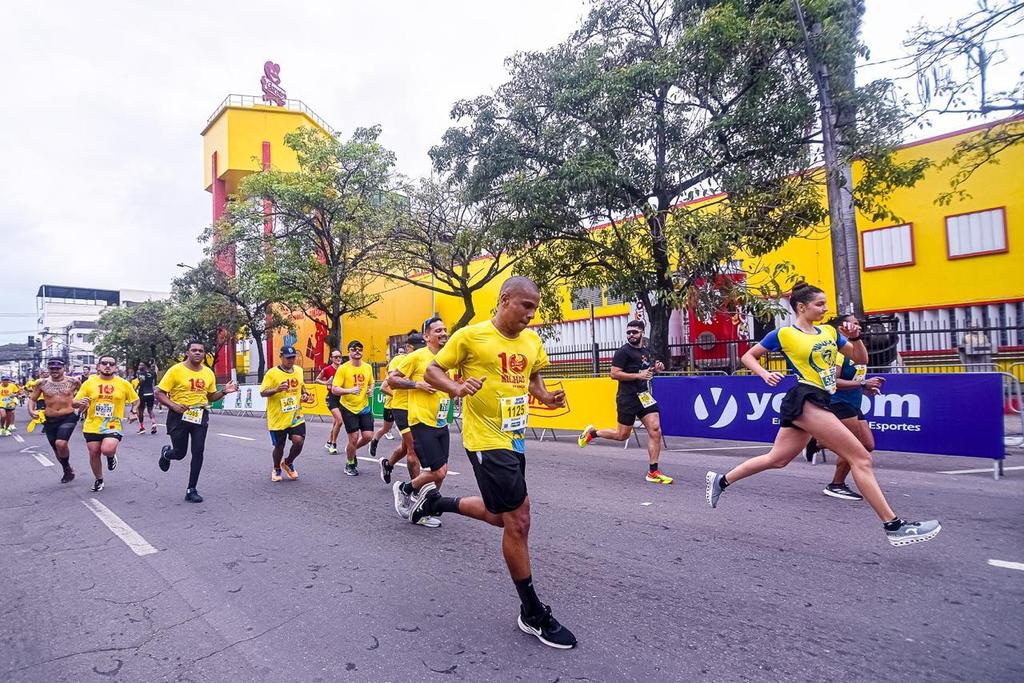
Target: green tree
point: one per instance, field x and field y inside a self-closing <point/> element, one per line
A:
<point x="195" y="313"/>
<point x="463" y="245"/>
<point x="330" y="220"/>
<point x="137" y="333"/>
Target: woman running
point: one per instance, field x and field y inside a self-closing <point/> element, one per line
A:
<point x="810" y="352"/>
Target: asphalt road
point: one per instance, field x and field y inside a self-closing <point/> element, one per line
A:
<point x="319" y="580"/>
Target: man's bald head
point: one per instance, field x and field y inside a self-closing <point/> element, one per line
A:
<point x="519" y="284"/>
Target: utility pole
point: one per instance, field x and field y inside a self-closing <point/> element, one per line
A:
<point x="838" y="178"/>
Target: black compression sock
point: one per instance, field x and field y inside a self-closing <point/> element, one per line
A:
<point x="654" y="467"/>
<point x="65" y="463"/>
<point x="723" y="482"/>
<point x="893" y="525"/>
<point x="528" y="596"/>
<point x="445" y="504"/>
<point x="407" y="488"/>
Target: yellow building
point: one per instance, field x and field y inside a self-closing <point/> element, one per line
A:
<point x="942" y="266"/>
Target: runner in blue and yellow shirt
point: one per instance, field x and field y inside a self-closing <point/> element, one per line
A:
<point x="811" y="352"/>
<point x="285" y="390"/>
<point x="105" y="398"/>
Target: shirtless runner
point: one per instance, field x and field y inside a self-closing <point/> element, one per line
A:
<point x="57" y="390"/>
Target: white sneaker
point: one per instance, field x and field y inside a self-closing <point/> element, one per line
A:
<point x="428" y="521"/>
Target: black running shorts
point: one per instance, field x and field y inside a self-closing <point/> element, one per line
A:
<point x="793" y="402"/>
<point x="60" y="428"/>
<point x="361" y="422"/>
<point x="333" y="402"/>
<point x="630" y="409"/>
<point x="388" y="415"/>
<point x="401" y="419"/>
<point x="90" y="437"/>
<point x="844" y="411"/>
<point x="501" y="477"/>
<point x="286" y="434"/>
<point x="146" y="402"/>
<point x="431" y="445"/>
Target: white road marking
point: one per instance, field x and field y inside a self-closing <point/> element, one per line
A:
<point x="232" y="436"/>
<point x="43" y="460"/>
<point x="646" y="504"/>
<point x="17" y="437"/>
<point x="132" y="539"/>
<point x="987" y="470"/>
<point x="1007" y="565"/>
<point x="399" y="464"/>
<point x="719" y="448"/>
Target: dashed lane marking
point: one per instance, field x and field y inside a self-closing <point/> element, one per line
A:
<point x="43" y="460"/>
<point x="1019" y="566"/>
<point x="400" y="464"/>
<point x="232" y="436"/>
<point x="130" y="536"/>
<point x="986" y="470"/>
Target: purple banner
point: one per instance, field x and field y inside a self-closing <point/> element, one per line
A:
<point x="946" y="414"/>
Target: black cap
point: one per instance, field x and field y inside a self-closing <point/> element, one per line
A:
<point x="355" y="342"/>
<point x="55" y="363"/>
<point x="288" y="352"/>
<point x="416" y="340"/>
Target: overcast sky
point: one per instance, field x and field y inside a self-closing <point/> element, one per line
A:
<point x="101" y="172"/>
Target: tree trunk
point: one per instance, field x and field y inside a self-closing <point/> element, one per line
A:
<point x="261" y="354"/>
<point x="658" y="316"/>
<point x="467" y="315"/>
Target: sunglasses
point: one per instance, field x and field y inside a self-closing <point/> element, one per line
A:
<point x="106" y="362"/>
<point x="355" y="348"/>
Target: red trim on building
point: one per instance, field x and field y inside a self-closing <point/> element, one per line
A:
<point x="1006" y="235"/>
<point x="901" y="264"/>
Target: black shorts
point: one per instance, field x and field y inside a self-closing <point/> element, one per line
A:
<point x="60" y="428"/>
<point x="146" y="402"/>
<point x="401" y="419"/>
<point x="10" y="408"/>
<point x="40" y="404"/>
<point x="431" y="444"/>
<point x="793" y="402"/>
<point x="92" y="438"/>
<point x="361" y="422"/>
<point x="333" y="402"/>
<point x="388" y="415"/>
<point x="501" y="477"/>
<point x="285" y="434"/>
<point x="844" y="411"/>
<point x="630" y="409"/>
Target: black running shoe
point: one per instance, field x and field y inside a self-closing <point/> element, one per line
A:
<point x="547" y="629"/>
<point x="165" y="464"/>
<point x="423" y="504"/>
<point x="812" y="448"/>
<point x="97" y="485"/>
<point x="68" y="476"/>
<point x="373" y="449"/>
<point x="112" y="462"/>
<point x="385" y="470"/>
<point x="351" y="468"/>
<point x="192" y="496"/>
<point x="841" y="491"/>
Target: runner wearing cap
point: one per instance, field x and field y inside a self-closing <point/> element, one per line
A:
<point x="59" y="391"/>
<point x="352" y="383"/>
<point x="146" y="379"/>
<point x="285" y="390"/>
<point x="10" y="392"/>
<point x="399" y="387"/>
<point x="187" y="390"/>
<point x="103" y="397"/>
<point x="333" y="402"/>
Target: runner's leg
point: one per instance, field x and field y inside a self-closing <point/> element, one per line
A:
<point x="296" y="448"/>
<point x="198" y="434"/>
<point x="788" y="444"/>
<point x="94" y="458"/>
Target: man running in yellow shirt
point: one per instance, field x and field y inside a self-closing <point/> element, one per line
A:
<point x="187" y="390"/>
<point x="399" y="387"/>
<point x="500" y="361"/>
<point x="103" y="396"/>
<point x="388" y="416"/>
<point x="9" y="395"/>
<point x="285" y="390"/>
<point x="353" y="382"/>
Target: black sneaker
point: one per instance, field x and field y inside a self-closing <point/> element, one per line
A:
<point x="165" y="464"/>
<point x="192" y="496"/>
<point x="112" y="462"/>
<point x="423" y="504"/>
<point x="841" y="491"/>
<point x="351" y="469"/>
<point x="385" y="470"/>
<point x="97" y="485"/>
<point x="812" y="448"/>
<point x="68" y="476"/>
<point x="547" y="629"/>
<point x="373" y="449"/>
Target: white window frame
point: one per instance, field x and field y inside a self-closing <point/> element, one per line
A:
<point x="959" y="229"/>
<point x="874" y="233"/>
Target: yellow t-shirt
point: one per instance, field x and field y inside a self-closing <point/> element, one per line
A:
<point x="389" y="401"/>
<point x="188" y="387"/>
<point x="495" y="417"/>
<point x="349" y="376"/>
<point x="107" y="398"/>
<point x="284" y="409"/>
<point x="425" y="408"/>
<point x="9" y="395"/>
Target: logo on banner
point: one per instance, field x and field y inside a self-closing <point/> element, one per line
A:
<point x="538" y="409"/>
<point x="725" y="416"/>
<point x="271" y="83"/>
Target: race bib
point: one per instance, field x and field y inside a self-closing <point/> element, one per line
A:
<point x="442" y="411"/>
<point x="289" y="404"/>
<point x="860" y="372"/>
<point x="646" y="400"/>
<point x="193" y="415"/>
<point x="828" y="379"/>
<point x="514" y="412"/>
<point x="104" y="410"/>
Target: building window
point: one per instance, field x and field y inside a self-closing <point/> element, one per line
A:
<point x="583" y="297"/>
<point x="888" y="247"/>
<point x="976" y="234"/>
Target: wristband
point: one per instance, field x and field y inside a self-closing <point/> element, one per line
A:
<point x="853" y="339"/>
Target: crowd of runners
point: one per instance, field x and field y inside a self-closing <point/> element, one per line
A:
<point x="493" y="367"/>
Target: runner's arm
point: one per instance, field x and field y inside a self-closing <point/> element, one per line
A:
<point x="552" y="399"/>
<point x="620" y="375"/>
<point x="437" y="377"/>
<point x="36" y="391"/>
<point x="165" y="400"/>
<point x="229" y="388"/>
<point x="750" y="362"/>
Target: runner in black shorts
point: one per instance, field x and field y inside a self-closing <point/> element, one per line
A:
<point x="146" y="390"/>
<point x="399" y="387"/>
<point x="333" y="402"/>
<point x="58" y="390"/>
<point x="633" y="367"/>
<point x="352" y="383"/>
<point x="388" y="414"/>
